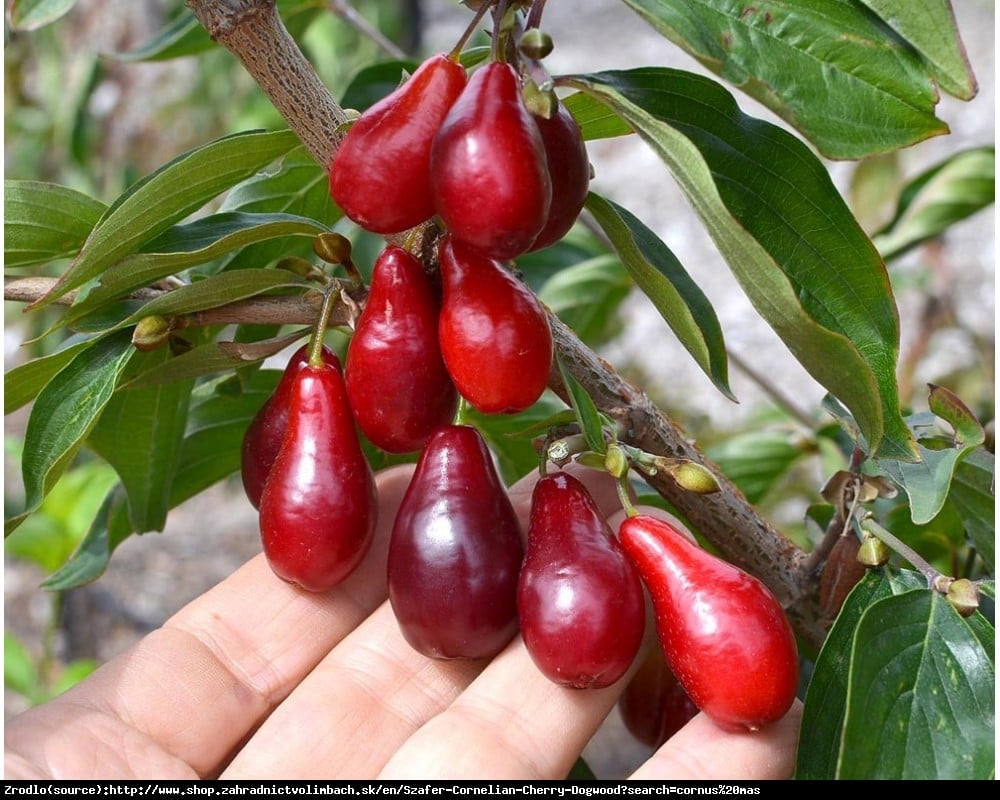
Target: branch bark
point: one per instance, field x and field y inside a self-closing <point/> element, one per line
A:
<point x="253" y="31"/>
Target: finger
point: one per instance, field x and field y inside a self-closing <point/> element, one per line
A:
<point x="701" y="751"/>
<point x="355" y="709"/>
<point x="197" y="686"/>
<point x="511" y="723"/>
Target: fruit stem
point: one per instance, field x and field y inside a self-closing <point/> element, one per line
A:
<point x="535" y="15"/>
<point x="456" y="51"/>
<point x="622" y="486"/>
<point x="319" y="331"/>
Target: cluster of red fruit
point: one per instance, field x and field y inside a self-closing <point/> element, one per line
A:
<point x="461" y="580"/>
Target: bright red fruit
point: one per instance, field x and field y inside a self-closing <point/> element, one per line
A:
<point x="579" y="599"/>
<point x="455" y="552"/>
<point x="263" y="438"/>
<point x="489" y="176"/>
<point x="569" y="171"/>
<point x="724" y="634"/>
<point x="380" y="175"/>
<point x="494" y="334"/>
<point x="397" y="383"/>
<point x="654" y="706"/>
<point x="318" y="509"/>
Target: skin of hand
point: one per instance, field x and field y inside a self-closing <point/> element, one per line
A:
<point x="257" y="679"/>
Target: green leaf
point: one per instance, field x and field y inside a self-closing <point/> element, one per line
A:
<point x="876" y="94"/>
<point x="826" y="698"/>
<point x="45" y="221"/>
<point x="595" y="119"/>
<point x="185" y="246"/>
<point x="64" y="412"/>
<point x="786" y="233"/>
<point x="586" y="296"/>
<point x="663" y="279"/>
<point x="20" y="673"/>
<point x="929" y="26"/>
<point x="165" y="197"/>
<point x="973" y="497"/>
<point x="23" y="383"/>
<point x="587" y="415"/>
<point x="757" y="460"/>
<point x="920" y="694"/>
<point x="140" y="435"/>
<point x="183" y="36"/>
<point x="947" y="193"/>
<point x="375" y="81"/>
<point x="91" y="558"/>
<point x="50" y="535"/>
<point x="29" y="15"/>
<point x="928" y="481"/>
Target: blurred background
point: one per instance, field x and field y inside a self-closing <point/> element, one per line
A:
<point x="85" y="107"/>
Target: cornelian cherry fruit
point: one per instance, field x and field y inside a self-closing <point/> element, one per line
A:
<point x="397" y="383"/>
<point x="579" y="599"/>
<point x="489" y="176"/>
<point x="318" y="508"/>
<point x="654" y="706"/>
<point x="569" y="171"/>
<point x="455" y="551"/>
<point x="263" y="437"/>
<point x="494" y="334"/>
<point x="380" y="175"/>
<point x="724" y="634"/>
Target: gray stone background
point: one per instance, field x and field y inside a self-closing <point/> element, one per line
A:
<point x="207" y="538"/>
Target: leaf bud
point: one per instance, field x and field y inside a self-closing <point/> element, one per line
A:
<point x="333" y="248"/>
<point x="151" y="333"/>
<point x="964" y="596"/>
<point x="535" y="43"/>
<point x="873" y="552"/>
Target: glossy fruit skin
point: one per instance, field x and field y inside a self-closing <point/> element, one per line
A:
<point x="397" y="383"/>
<point x="654" y="706"/>
<point x="263" y="437"/>
<point x="724" y="634"/>
<point x="569" y="171"/>
<point x="579" y="599"/>
<point x="489" y="176"/>
<point x="455" y="552"/>
<point x="380" y="175"/>
<point x="318" y="509"/>
<point x="494" y="334"/>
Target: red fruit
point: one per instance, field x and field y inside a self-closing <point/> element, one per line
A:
<point x="654" y="706"/>
<point x="569" y="171"/>
<point x="318" y="509"/>
<point x="495" y="337"/>
<point x="579" y="599"/>
<point x="489" y="176"/>
<point x="380" y="175"/>
<point x="263" y="437"/>
<point x="455" y="552"/>
<point x="724" y="634"/>
<point x="397" y="383"/>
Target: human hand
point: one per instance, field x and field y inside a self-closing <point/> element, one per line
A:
<point x="257" y="679"/>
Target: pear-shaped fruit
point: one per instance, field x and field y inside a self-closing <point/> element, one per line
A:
<point x="455" y="551"/>
<point x="494" y="334"/>
<point x="489" y="176"/>
<point x="318" y="508"/>
<point x="569" y="171"/>
<point x="397" y="383"/>
<point x="263" y="437"/>
<point x="380" y="174"/>
<point x="724" y="634"/>
<point x="579" y="598"/>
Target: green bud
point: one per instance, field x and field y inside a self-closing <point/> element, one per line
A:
<point x="540" y="102"/>
<point x="963" y="594"/>
<point x="873" y="552"/>
<point x="615" y="461"/>
<point x="333" y="248"/>
<point x="151" y="333"/>
<point x="694" y="477"/>
<point x="535" y="43"/>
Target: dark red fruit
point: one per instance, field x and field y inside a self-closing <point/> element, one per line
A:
<point x="380" y="175"/>
<point x="569" y="171"/>
<point x="579" y="599"/>
<point x="455" y="552"/>
<point x="263" y="438"/>
<point x="489" y="177"/>
<point x="494" y="334"/>
<point x="724" y="634"/>
<point x="397" y="383"/>
<point x="318" y="509"/>
<point x="654" y="706"/>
